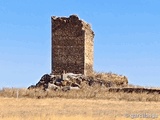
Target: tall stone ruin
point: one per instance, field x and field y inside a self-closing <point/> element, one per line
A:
<point x="72" y="46"/>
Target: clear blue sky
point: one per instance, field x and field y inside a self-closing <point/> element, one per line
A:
<point x="127" y="38"/>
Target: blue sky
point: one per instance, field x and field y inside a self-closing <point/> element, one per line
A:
<point x="127" y="38"/>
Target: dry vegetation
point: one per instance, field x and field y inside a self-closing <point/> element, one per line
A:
<point x="95" y="92"/>
<point x="71" y="109"/>
<point x="118" y="80"/>
<point x="87" y="103"/>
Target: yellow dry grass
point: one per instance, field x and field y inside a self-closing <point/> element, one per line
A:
<point x="74" y="109"/>
<point x="95" y="92"/>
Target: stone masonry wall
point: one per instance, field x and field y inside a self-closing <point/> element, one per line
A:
<point x="72" y="46"/>
<point x="89" y="35"/>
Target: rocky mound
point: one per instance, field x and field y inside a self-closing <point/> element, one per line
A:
<point x="70" y="81"/>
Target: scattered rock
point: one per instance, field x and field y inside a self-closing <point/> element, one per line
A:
<point x="70" y="81"/>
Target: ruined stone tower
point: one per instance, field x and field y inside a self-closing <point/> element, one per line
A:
<point x="72" y="46"/>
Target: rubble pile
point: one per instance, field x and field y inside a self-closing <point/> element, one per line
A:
<point x="69" y="81"/>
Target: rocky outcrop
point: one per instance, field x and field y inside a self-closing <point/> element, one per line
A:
<point x="70" y="81"/>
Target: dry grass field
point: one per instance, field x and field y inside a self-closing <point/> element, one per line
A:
<point x="76" y="109"/>
<point x="89" y="103"/>
<point x="84" y="93"/>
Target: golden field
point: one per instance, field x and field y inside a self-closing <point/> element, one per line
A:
<point x="84" y="93"/>
<point x="88" y="103"/>
<point x="75" y="109"/>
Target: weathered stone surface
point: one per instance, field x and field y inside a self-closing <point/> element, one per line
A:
<point x="72" y="46"/>
<point x="71" y="81"/>
<point x="72" y="55"/>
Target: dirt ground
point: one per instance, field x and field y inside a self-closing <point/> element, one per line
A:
<point x="79" y="109"/>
